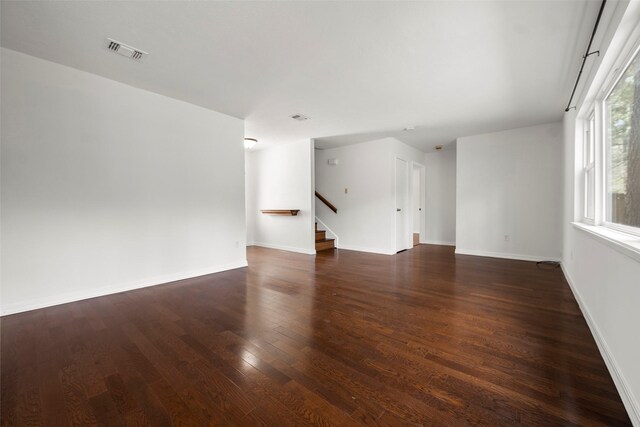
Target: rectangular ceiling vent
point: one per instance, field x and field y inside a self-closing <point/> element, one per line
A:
<point x="126" y="50"/>
<point x="300" y="117"/>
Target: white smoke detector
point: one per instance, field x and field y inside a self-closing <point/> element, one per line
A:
<point x="126" y="50"/>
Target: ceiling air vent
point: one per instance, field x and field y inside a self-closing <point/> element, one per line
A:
<point x="300" y="117"/>
<point x="126" y="50"/>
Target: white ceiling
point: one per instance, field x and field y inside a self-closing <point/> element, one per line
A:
<point x="360" y="70"/>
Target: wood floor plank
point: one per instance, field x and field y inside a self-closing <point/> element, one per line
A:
<point x="29" y="412"/>
<point x="340" y="338"/>
<point x="105" y="410"/>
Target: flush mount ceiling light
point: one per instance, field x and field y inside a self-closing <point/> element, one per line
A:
<point x="250" y="143"/>
<point x="126" y="50"/>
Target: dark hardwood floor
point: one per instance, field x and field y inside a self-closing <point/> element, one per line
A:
<point x="343" y="338"/>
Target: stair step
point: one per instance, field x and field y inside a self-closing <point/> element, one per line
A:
<point x="325" y="244"/>
<point x="320" y="235"/>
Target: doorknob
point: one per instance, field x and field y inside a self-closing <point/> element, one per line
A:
<point x="398" y="209"/>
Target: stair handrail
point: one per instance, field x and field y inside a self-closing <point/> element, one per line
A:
<point x="326" y="202"/>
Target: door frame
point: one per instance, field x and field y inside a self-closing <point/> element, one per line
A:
<point x="408" y="242"/>
<point x="422" y="203"/>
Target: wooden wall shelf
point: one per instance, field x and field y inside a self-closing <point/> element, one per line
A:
<point x="287" y="212"/>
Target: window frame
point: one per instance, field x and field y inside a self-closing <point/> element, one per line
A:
<point x="589" y="166"/>
<point x="594" y="127"/>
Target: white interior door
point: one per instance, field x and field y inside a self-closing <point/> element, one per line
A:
<point x="417" y="200"/>
<point x="402" y="198"/>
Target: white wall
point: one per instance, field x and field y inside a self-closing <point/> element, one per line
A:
<point x="508" y="183"/>
<point x="366" y="214"/>
<point x="605" y="281"/>
<point x="363" y="218"/>
<point x="106" y="187"/>
<point x="281" y="178"/>
<point x="440" y="202"/>
<point x="606" y="284"/>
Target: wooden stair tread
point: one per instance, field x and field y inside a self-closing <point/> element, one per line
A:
<point x="322" y="243"/>
<point x="325" y="244"/>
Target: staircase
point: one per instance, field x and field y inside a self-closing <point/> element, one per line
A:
<point x="322" y="243"/>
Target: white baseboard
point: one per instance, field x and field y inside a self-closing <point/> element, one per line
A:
<point x="437" y="242"/>
<point x="114" y="289"/>
<point x="367" y="249"/>
<point x="519" y="257"/>
<point x="630" y="403"/>
<point x="286" y="248"/>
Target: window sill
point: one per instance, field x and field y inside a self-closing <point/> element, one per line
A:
<point x="624" y="243"/>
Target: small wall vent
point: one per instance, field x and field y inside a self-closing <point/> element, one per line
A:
<point x="126" y="50"/>
<point x="300" y="117"/>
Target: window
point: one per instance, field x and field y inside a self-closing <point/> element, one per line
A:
<point x="611" y="152"/>
<point x="622" y="148"/>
